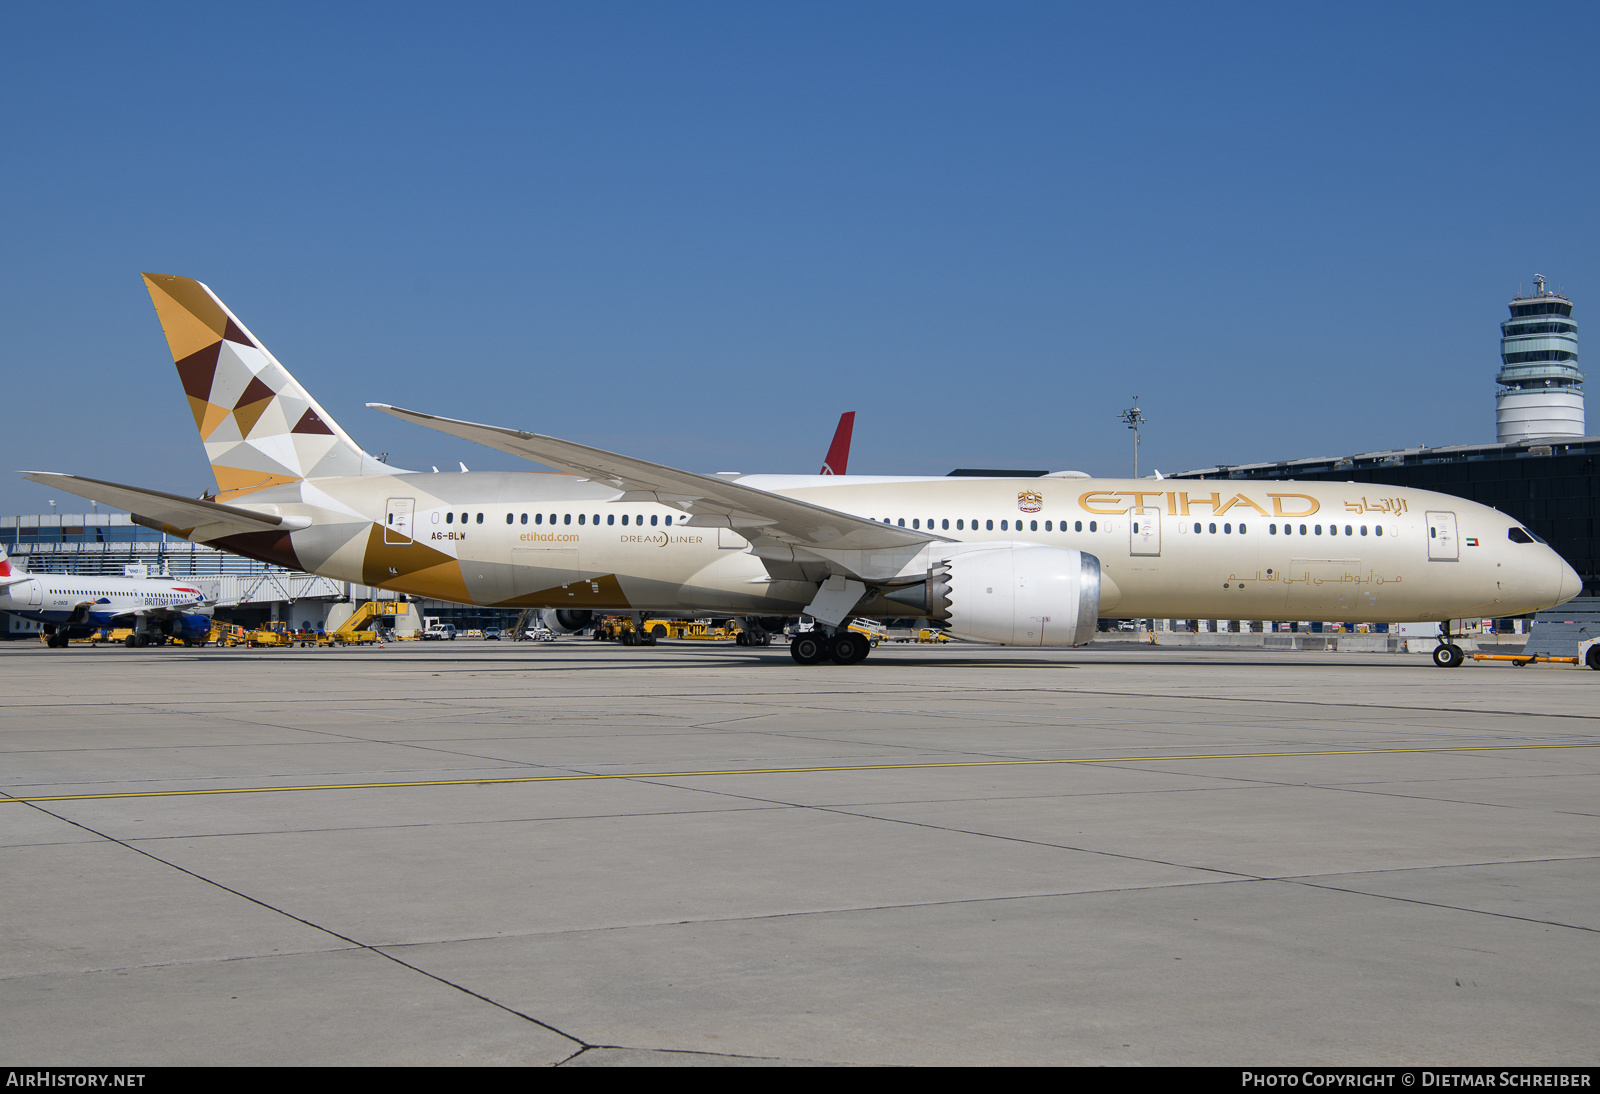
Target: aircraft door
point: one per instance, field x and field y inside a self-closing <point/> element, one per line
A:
<point x="397" y="521"/>
<point x="1443" y="543"/>
<point x="35" y="593"/>
<point x="1144" y="532"/>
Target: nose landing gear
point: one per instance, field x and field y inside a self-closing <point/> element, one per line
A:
<point x="1447" y="655"/>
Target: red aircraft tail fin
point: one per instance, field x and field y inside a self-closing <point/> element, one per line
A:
<point x="839" y="450"/>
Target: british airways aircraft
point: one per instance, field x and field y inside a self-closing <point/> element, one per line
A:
<point x="74" y="606"/>
<point x="1025" y="562"/>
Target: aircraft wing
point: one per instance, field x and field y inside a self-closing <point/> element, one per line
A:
<point x="181" y="516"/>
<point x="766" y="519"/>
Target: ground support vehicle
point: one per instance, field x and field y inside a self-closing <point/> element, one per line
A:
<point x="874" y="631"/>
<point x="435" y="631"/>
<point x="356" y="630"/>
<point x="704" y="630"/>
<point x="618" y="628"/>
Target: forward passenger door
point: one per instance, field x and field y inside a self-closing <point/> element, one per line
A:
<point x="1144" y="532"/>
<point x="1443" y="543"/>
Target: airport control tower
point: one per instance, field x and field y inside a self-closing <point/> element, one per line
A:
<point x="1541" y="389"/>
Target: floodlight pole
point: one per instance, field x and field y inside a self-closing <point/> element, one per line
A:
<point x="1135" y="418"/>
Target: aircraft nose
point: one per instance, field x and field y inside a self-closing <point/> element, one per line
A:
<point x="1571" y="584"/>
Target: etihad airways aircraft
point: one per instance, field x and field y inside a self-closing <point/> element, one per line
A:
<point x="1027" y="562"/>
<point x="75" y="606"/>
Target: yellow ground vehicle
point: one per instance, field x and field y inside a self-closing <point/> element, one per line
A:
<point x="874" y="631"/>
<point x="226" y="634"/>
<point x="356" y="631"/>
<point x="702" y="630"/>
<point x="620" y="628"/>
<point x="272" y="634"/>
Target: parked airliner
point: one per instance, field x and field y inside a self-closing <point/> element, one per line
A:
<point x="1029" y="562"/>
<point x="75" y="606"/>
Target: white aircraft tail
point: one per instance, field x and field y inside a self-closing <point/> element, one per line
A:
<point x="9" y="574"/>
<point x="260" y="427"/>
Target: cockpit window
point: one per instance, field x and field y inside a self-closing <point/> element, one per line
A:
<point x="1517" y="535"/>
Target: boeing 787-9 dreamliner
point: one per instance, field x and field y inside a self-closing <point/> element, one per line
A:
<point x="1026" y="562"/>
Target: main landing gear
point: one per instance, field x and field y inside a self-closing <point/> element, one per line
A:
<point x="842" y="648"/>
<point x="1447" y="655"/>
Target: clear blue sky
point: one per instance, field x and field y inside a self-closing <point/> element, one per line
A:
<point x="697" y="232"/>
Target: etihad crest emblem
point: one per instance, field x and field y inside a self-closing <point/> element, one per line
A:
<point x="1030" y="501"/>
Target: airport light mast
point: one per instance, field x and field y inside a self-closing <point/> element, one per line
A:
<point x="1135" y="418"/>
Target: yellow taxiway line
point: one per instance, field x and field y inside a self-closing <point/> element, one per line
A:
<point x="788" y="771"/>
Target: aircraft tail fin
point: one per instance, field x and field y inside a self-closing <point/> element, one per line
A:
<point x="839" y="451"/>
<point x="9" y="574"/>
<point x="260" y="427"/>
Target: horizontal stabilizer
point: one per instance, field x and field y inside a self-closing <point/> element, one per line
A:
<point x="179" y="514"/>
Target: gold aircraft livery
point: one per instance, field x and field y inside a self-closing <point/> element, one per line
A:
<point x="1027" y="562"/>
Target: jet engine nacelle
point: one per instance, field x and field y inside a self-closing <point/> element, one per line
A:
<point x="190" y="628"/>
<point x="1018" y="594"/>
<point x="567" y="620"/>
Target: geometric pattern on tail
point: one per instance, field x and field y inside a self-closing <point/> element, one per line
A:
<point x="259" y="426"/>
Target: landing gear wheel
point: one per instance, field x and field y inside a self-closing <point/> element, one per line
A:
<point x="131" y="641"/>
<point x="1448" y="656"/>
<point x="848" y="648"/>
<point x="1592" y="658"/>
<point x="807" y="649"/>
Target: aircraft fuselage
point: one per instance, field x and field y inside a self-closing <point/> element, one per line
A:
<point x="1171" y="548"/>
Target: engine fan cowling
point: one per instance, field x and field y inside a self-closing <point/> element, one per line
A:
<point x="1021" y="595"/>
<point x="566" y="620"/>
